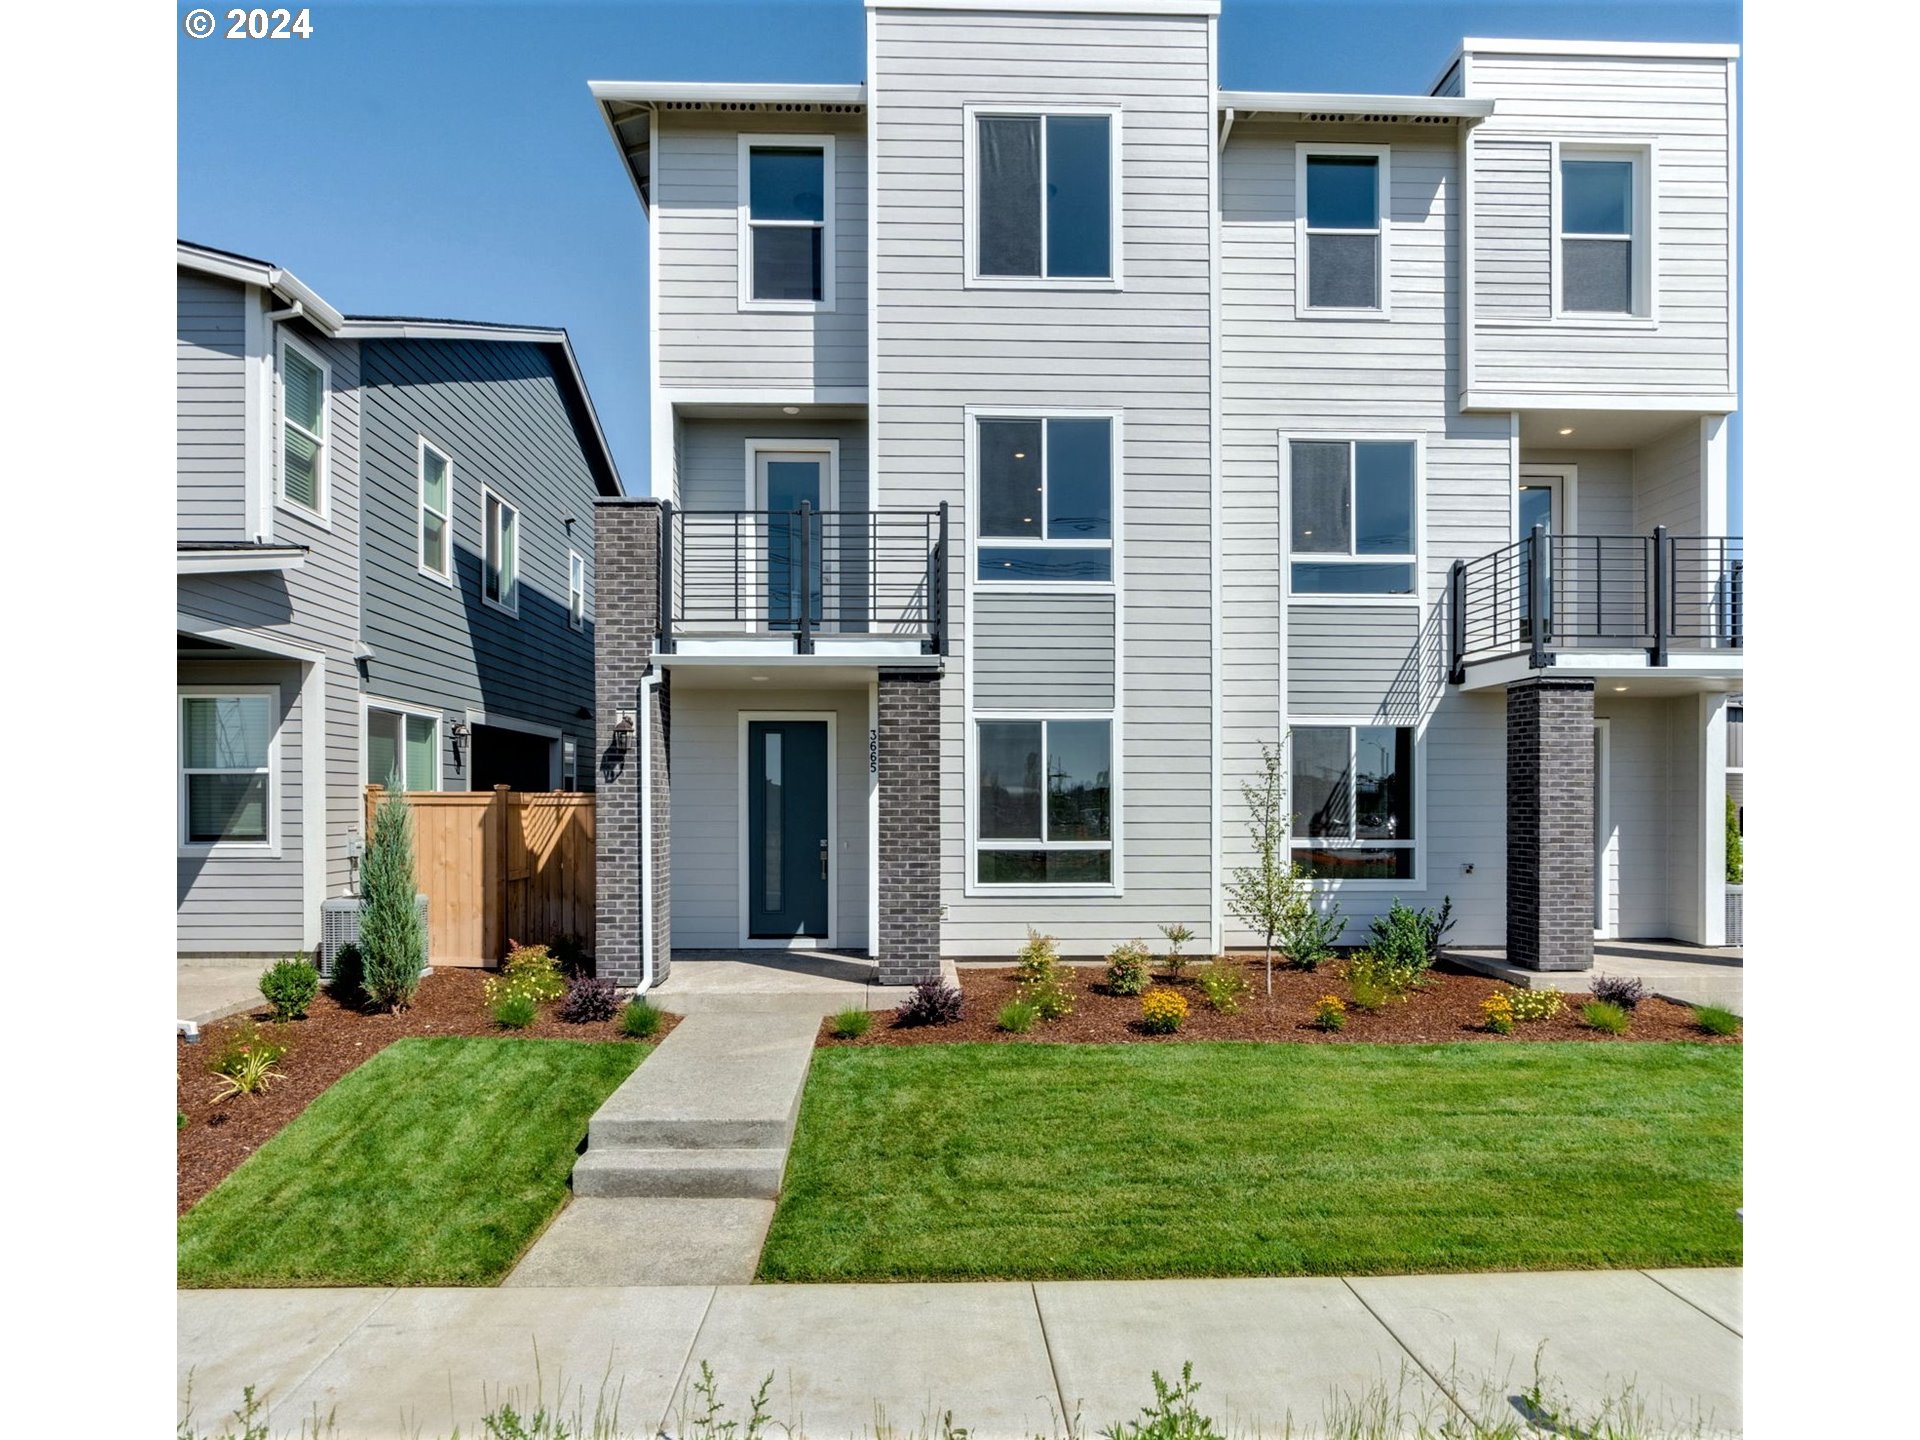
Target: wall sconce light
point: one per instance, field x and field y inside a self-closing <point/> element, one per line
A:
<point x="622" y="729"/>
<point x="460" y="734"/>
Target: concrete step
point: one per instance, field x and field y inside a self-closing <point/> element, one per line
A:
<point x="731" y="1174"/>
<point x="728" y="1080"/>
<point x="642" y="1132"/>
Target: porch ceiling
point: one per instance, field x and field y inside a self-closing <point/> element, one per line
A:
<point x="1597" y="429"/>
<point x="1624" y="676"/>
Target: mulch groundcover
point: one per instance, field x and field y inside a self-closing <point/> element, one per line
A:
<point x="333" y="1039"/>
<point x="1445" y="1008"/>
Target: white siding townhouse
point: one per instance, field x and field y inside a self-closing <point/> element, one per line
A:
<point x="1040" y="429"/>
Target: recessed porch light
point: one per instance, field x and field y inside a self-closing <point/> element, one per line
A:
<point x="795" y="410"/>
<point x="1619" y="687"/>
<point x="1567" y="431"/>
<point x="756" y="677"/>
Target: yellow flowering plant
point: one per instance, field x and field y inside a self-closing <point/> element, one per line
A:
<point x="1162" y="1011"/>
<point x="1497" y="1013"/>
<point x="1330" y="1013"/>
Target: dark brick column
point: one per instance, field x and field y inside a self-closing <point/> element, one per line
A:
<point x="909" y="941"/>
<point x="1550" y="823"/>
<point x="626" y="622"/>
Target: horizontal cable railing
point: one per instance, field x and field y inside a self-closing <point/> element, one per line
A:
<point x="1548" y="593"/>
<point x="807" y="573"/>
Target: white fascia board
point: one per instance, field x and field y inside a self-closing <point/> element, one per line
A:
<point x="1248" y="102"/>
<point x="283" y="283"/>
<point x="1702" y="404"/>
<point x="240" y="562"/>
<point x="1635" y="49"/>
<point x="651" y="92"/>
<point x="1058" y="7"/>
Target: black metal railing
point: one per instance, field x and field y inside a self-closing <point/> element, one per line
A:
<point x="1549" y="593"/>
<point x="805" y="573"/>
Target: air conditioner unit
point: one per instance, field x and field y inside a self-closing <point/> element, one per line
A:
<point x="340" y="927"/>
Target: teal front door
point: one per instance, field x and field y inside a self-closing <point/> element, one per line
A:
<point x="788" y="864"/>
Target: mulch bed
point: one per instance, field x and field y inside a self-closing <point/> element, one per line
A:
<point x="333" y="1039"/>
<point x="1446" y="1008"/>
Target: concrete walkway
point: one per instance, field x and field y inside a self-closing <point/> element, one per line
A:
<point x="209" y="990"/>
<point x="1686" y="974"/>
<point x="1006" y="1359"/>
<point x="818" y="982"/>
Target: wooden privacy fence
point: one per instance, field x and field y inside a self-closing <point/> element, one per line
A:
<point x="499" y="865"/>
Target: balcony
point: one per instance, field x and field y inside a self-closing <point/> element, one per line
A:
<point x="1598" y="603"/>
<point x="849" y="583"/>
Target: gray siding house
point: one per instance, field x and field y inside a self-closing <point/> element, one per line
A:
<point x="385" y="540"/>
<point x="1041" y="430"/>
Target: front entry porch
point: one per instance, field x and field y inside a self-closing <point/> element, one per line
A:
<point x="821" y="982"/>
<point x="1685" y="974"/>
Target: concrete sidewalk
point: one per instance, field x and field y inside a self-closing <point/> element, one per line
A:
<point x="1005" y="1359"/>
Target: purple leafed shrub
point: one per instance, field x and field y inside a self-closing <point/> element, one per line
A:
<point x="1626" y="991"/>
<point x="933" y="1002"/>
<point x="587" y="1000"/>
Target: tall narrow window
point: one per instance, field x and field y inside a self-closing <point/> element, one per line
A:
<point x="403" y="751"/>
<point x="1353" y="517"/>
<point x="1045" y="802"/>
<point x="788" y="222"/>
<point x="436" y="504"/>
<point x="569" y="764"/>
<point x="1344" y="260"/>
<point x="576" y="590"/>
<point x="500" y="562"/>
<point x="1046" y="499"/>
<point x="226" y="769"/>
<point x="1353" y="801"/>
<point x="1045" y="203"/>
<point x="303" y="428"/>
<point x="1597" y="219"/>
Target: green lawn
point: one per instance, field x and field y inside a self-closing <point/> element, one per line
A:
<point x="948" y="1162"/>
<point x="435" y="1163"/>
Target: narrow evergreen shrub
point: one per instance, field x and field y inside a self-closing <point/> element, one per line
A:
<point x="393" y="943"/>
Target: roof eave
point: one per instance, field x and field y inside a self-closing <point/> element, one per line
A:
<point x="284" y="283"/>
<point x="1411" y="107"/>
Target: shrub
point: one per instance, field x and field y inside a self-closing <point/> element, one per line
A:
<point x="1369" y="996"/>
<point x="1330" y="1014"/>
<point x="393" y="943"/>
<point x="1223" y="985"/>
<point x="532" y="968"/>
<point x="570" y="953"/>
<point x="245" y="1063"/>
<point x="1129" y="968"/>
<point x="1038" y="961"/>
<point x="1177" y="935"/>
<point x="1622" y="991"/>
<point x="1309" y="935"/>
<point x="1408" y="940"/>
<point x="1496" y="1013"/>
<point x="1716" y="1020"/>
<point x="344" y="986"/>
<point x="933" y="1002"/>
<point x="1053" y="1001"/>
<point x="289" y="987"/>
<point x="1393" y="977"/>
<point x="180" y="1121"/>
<point x="1162" y="1011"/>
<point x="1016" y="1017"/>
<point x="588" y="1000"/>
<point x="515" y="1010"/>
<point x="852" y="1022"/>
<point x="1531" y="1005"/>
<point x="1610" y="1018"/>
<point x="1736" y="847"/>
<point x="640" y="1020"/>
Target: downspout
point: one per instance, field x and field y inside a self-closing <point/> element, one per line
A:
<point x="649" y="683"/>
<point x="296" y="311"/>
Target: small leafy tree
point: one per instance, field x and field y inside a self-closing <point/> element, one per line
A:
<point x="1265" y="894"/>
<point x="1736" y="857"/>
<point x="393" y="943"/>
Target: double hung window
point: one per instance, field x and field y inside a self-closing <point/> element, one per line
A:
<point x="304" y="382"/>
<point x="227" y="784"/>
<point x="500" y="557"/>
<point x="436" y="510"/>
<point x="1601" y="241"/>
<point x="787" y="223"/>
<point x="1343" y="259"/>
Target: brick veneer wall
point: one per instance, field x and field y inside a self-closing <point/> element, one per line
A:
<point x="626" y="622"/>
<point x="909" y="941"/>
<point x="1550" y="823"/>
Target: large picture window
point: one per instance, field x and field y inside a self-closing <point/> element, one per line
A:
<point x="1044" y="199"/>
<point x="1353" y="801"/>
<point x="786" y="231"/>
<point x="1343" y="234"/>
<point x="226" y="768"/>
<point x="403" y="750"/>
<point x="1046" y="500"/>
<point x="1045" y="802"/>
<point x="1352" y="509"/>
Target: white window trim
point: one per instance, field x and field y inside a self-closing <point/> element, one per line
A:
<point x="755" y="502"/>
<point x="322" y="512"/>
<point x="577" y="616"/>
<point x="1567" y="479"/>
<point x="1302" y="152"/>
<point x="746" y="222"/>
<point x="1116" y="497"/>
<point x="1418" y="598"/>
<point x="487" y="492"/>
<point x="1645" y="157"/>
<point x="1418" y="884"/>
<point x="259" y="849"/>
<point x="1116" y="781"/>
<point x="444" y="577"/>
<point x="1116" y="201"/>
<point x="370" y="703"/>
<point x="745" y="897"/>
<point x="569" y="764"/>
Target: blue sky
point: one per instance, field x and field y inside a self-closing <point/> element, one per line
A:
<point x="445" y="159"/>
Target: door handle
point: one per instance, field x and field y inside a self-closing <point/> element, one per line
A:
<point x="823" y="859"/>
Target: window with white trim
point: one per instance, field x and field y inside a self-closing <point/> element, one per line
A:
<point x="500" y="553"/>
<point x="1343" y="254"/>
<point x="787" y="222"/>
<point x="1045" y="802"/>
<point x="1351" y="517"/>
<point x="1044" y="199"/>
<point x="436" y="509"/>
<point x="569" y="764"/>
<point x="227" y="787"/>
<point x="576" y="590"/>
<point x="1353" y="795"/>
<point x="1602" y="241"/>
<point x="1046" y="499"/>
<point x="305" y="380"/>
<point x="403" y="749"/>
